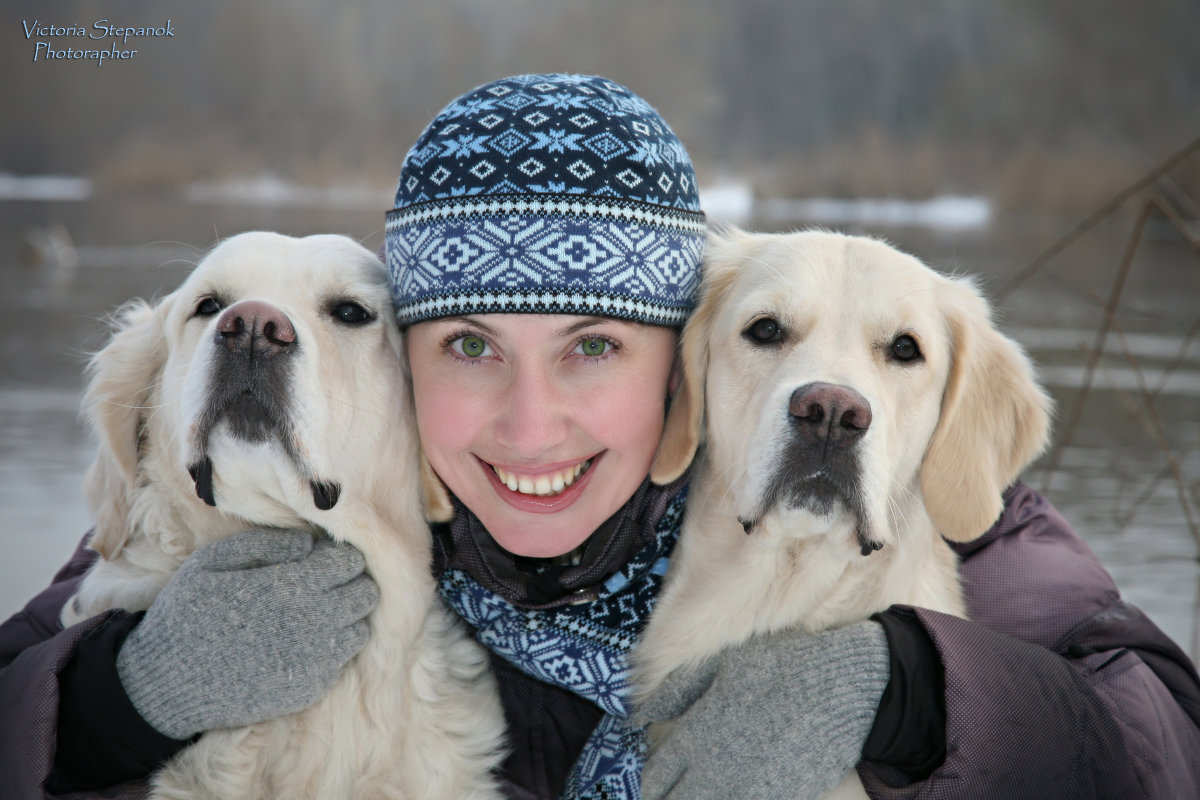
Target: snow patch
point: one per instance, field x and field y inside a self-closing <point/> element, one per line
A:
<point x="44" y="188"/>
<point x="948" y="212"/>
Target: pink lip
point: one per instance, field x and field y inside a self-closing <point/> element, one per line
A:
<point x="536" y="504"/>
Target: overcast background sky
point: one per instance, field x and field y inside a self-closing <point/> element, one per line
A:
<point x="1034" y="103"/>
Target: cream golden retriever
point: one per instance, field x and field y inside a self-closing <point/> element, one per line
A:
<point x="853" y="409"/>
<point x="268" y="390"/>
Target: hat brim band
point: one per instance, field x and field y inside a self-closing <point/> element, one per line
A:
<point x="522" y="263"/>
<point x="534" y="302"/>
<point x="548" y="205"/>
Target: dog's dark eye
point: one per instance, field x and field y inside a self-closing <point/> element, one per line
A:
<point x="207" y="307"/>
<point x="905" y="348"/>
<point x="764" y="331"/>
<point x="351" y="313"/>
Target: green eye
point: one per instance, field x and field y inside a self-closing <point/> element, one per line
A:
<point x="472" y="346"/>
<point x="593" y="347"/>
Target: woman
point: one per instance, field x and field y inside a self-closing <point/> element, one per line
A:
<point x="545" y="247"/>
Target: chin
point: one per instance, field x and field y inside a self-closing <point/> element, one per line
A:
<point x="539" y="538"/>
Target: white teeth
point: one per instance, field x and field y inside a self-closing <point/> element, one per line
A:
<point x="542" y="485"/>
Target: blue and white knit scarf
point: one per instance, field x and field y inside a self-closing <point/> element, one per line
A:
<point x="584" y="648"/>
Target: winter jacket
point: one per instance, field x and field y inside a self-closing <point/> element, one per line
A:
<point x="1056" y="688"/>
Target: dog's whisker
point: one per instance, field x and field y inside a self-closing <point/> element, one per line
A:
<point x="173" y="439"/>
<point x="908" y="495"/>
<point x="778" y="273"/>
<point x="731" y="483"/>
<point x="147" y="389"/>
<point x="894" y="510"/>
<point x="379" y="412"/>
<point x="134" y="406"/>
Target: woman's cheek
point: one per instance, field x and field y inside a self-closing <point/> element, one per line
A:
<point x="446" y="417"/>
<point x="630" y="418"/>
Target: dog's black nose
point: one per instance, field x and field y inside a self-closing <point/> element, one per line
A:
<point x="826" y="411"/>
<point x="255" y="326"/>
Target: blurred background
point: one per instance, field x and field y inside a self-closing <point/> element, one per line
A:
<point x="1049" y="147"/>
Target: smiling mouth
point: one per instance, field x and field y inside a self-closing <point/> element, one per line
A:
<point x="546" y="485"/>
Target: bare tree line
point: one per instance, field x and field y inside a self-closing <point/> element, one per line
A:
<point x="1028" y="100"/>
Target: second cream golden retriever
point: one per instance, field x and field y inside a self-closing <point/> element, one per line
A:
<point x="269" y="390"/>
<point x="851" y="409"/>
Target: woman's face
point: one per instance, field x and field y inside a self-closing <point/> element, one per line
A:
<point x="543" y="425"/>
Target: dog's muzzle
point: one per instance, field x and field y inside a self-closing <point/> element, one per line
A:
<point x="819" y="468"/>
<point x="250" y="390"/>
<point x="250" y="384"/>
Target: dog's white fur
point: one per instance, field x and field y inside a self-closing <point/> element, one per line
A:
<point x="949" y="433"/>
<point x="415" y="714"/>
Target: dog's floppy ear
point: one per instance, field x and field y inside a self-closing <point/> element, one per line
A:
<point x="434" y="496"/>
<point x="685" y="419"/>
<point x="123" y="376"/>
<point x="435" y="499"/>
<point x="995" y="420"/>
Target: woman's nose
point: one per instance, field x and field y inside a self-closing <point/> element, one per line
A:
<point x="534" y="416"/>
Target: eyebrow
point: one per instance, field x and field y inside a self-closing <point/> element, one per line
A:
<point x="473" y="321"/>
<point x="586" y="322"/>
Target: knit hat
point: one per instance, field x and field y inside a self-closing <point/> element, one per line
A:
<point x="556" y="194"/>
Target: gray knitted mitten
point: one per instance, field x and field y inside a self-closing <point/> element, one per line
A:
<point x="250" y="627"/>
<point x="783" y="715"/>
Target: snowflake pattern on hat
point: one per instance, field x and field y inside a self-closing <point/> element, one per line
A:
<point x="546" y="194"/>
